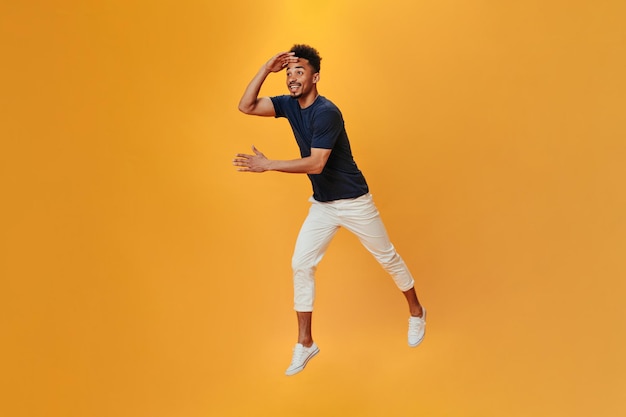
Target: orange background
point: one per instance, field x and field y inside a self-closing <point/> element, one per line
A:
<point x="143" y="276"/>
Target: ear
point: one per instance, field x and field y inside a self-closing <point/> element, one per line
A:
<point x="316" y="77"/>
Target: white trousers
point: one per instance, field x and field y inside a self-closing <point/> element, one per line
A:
<point x="360" y="216"/>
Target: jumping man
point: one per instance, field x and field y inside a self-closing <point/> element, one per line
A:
<point x="341" y="195"/>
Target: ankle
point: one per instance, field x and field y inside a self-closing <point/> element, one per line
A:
<point x="306" y="342"/>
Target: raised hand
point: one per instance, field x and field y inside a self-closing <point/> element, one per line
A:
<point x="280" y="61"/>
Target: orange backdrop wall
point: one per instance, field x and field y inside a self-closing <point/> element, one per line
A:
<point x="141" y="275"/>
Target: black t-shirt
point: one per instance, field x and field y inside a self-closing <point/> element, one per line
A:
<point x="321" y="126"/>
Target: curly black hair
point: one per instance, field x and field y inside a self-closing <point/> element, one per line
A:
<point x="309" y="53"/>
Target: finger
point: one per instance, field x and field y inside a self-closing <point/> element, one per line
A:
<point x="240" y="162"/>
<point x="256" y="151"/>
<point x="287" y="57"/>
<point x="282" y="56"/>
<point x="291" y="58"/>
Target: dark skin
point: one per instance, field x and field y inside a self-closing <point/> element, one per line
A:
<point x="301" y="80"/>
<point x="302" y="83"/>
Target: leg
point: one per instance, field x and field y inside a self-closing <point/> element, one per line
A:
<point x="315" y="235"/>
<point x="362" y="219"/>
<point x="303" y="351"/>
<point x="305" y="337"/>
<point x="415" y="308"/>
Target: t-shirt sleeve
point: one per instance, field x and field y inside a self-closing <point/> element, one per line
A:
<point x="327" y="127"/>
<point x="279" y="107"/>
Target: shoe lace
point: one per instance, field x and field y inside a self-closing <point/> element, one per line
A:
<point x="298" y="350"/>
<point x="415" y="326"/>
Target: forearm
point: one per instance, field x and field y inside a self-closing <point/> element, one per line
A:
<point x="307" y="165"/>
<point x="313" y="164"/>
<point x="251" y="95"/>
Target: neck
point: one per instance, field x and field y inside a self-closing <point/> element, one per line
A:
<point x="306" y="101"/>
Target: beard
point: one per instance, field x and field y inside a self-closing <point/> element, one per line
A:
<point x="295" y="94"/>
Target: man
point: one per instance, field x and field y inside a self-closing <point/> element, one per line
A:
<point x="340" y="193"/>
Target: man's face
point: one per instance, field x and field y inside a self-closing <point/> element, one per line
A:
<point x="300" y="78"/>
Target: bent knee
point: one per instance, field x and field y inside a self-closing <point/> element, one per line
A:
<point x="303" y="268"/>
<point x="388" y="258"/>
<point x="303" y="263"/>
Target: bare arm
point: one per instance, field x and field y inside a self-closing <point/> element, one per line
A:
<point x="258" y="162"/>
<point x="250" y="102"/>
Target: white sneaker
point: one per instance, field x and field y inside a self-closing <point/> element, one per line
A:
<point x="417" y="328"/>
<point x="301" y="355"/>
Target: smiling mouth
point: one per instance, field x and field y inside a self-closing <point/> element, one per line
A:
<point x="294" y="87"/>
